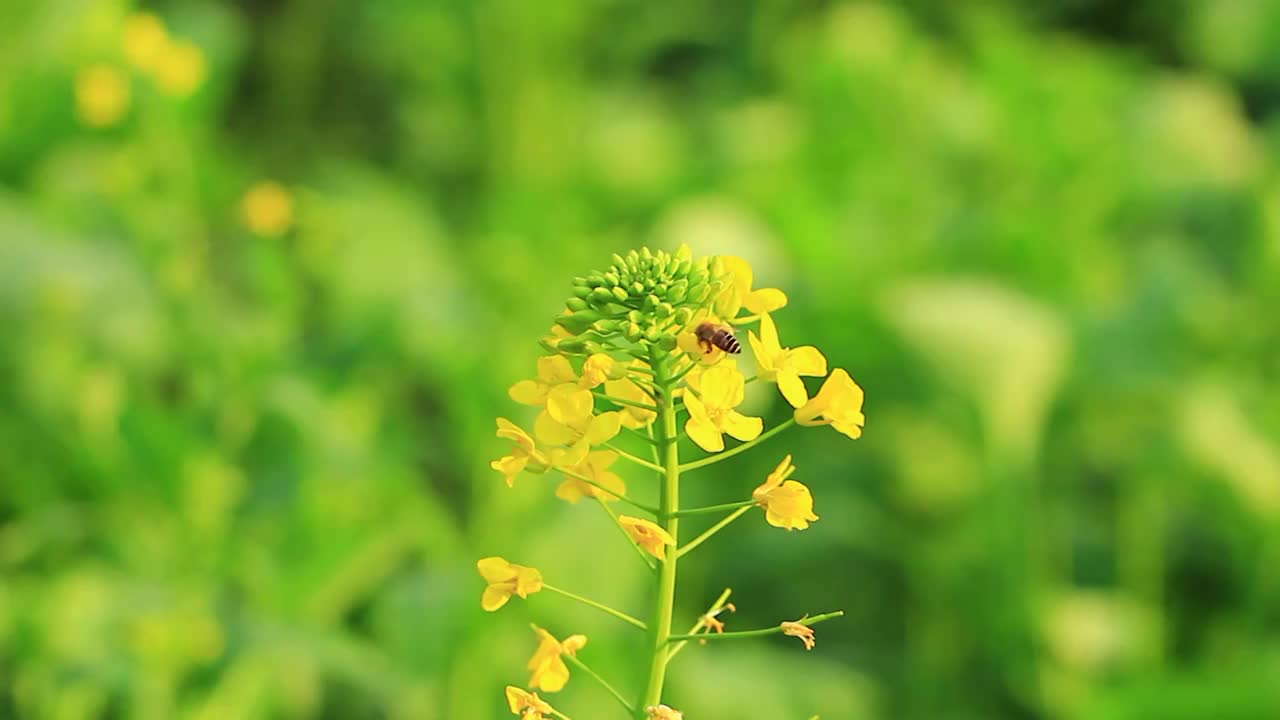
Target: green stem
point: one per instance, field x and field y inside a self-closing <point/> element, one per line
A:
<point x="755" y="633"/>
<point x="612" y="493"/>
<point x="702" y="621"/>
<point x="583" y="667"/>
<point x="644" y="556"/>
<point x="716" y="508"/>
<point x="599" y="606"/>
<point x="638" y="461"/>
<point x="741" y="448"/>
<point x="713" y="530"/>
<point x="669" y="507"/>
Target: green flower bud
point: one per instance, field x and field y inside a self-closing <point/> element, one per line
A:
<point x="664" y="310"/>
<point x="575" y="304"/>
<point x="601" y="295"/>
<point x="667" y="342"/>
<point x="632" y="332"/>
<point x="683" y="316"/>
<point x="572" y="345"/>
<point x="637" y="288"/>
<point x="620" y="294"/>
<point x="581" y="292"/>
<point x="578" y="322"/>
<point x="611" y="278"/>
<point x="618" y="262"/>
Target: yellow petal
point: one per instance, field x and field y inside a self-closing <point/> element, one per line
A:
<point x="555" y="369"/>
<point x="697" y="411"/>
<point x="852" y="429"/>
<point x="807" y="360"/>
<point x="550" y="432"/>
<point x="722" y="387"/>
<point x="528" y="392"/>
<point x="495" y="569"/>
<point x="604" y="427"/>
<point x="704" y="433"/>
<point x="740" y="426"/>
<point x="765" y="300"/>
<point x="769" y="336"/>
<point x="494" y="597"/>
<point x="573" y="644"/>
<point x="528" y="580"/>
<point x="792" y="388"/>
<point x="510" y="466"/>
<point x="570" y="404"/>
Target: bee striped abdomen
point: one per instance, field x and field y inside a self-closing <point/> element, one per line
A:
<point x="712" y="335"/>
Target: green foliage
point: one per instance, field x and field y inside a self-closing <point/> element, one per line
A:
<point x="247" y="476"/>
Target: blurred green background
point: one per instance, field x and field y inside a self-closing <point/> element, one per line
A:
<point x="268" y="268"/>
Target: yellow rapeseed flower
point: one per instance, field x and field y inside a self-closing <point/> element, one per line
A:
<point x="838" y="404"/>
<point x="787" y="503"/>
<point x="687" y="339"/>
<point x="711" y="415"/>
<point x="569" y="419"/>
<point x="102" y="95"/>
<point x="739" y="293"/>
<point x="145" y="41"/>
<point x="596" y="370"/>
<point x="662" y="712"/>
<point x="506" y="579"/>
<point x="180" y="69"/>
<point x="784" y="366"/>
<point x="548" y="671"/>
<point x="267" y="209"/>
<point x="553" y="370"/>
<point x="596" y="467"/>
<point x="524" y="456"/>
<point x="527" y="705"/>
<point x="796" y="629"/>
<point x="632" y="417"/>
<point x="649" y="536"/>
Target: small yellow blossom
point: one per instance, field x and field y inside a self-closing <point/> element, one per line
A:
<point x="553" y="370"/>
<point x="787" y="503"/>
<point x="838" y="404"/>
<point x="527" y="705"/>
<point x="145" y="41"/>
<point x="804" y="632"/>
<point x="596" y="467"/>
<point x="596" y="370"/>
<point x="506" y="579"/>
<point x="181" y="69"/>
<point x="632" y="417"/>
<point x="784" y="366"/>
<point x="102" y="95"/>
<point x="267" y="209"/>
<point x="569" y="419"/>
<point x="524" y="456"/>
<point x="549" y="673"/>
<point x="712" y="414"/>
<point x="739" y="293"/>
<point x="649" y="536"/>
<point x="662" y="712"/>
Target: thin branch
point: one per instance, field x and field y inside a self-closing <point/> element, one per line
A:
<point x="712" y="531"/>
<point x="644" y="556"/>
<point x="639" y="461"/>
<point x="741" y="448"/>
<point x="583" y="667"/>
<point x="599" y="606"/>
<point x="756" y="633"/>
<point x="715" y="508"/>
<point x="702" y="621"/>
<point x="612" y="493"/>
<point x="623" y="401"/>
<point x="641" y="436"/>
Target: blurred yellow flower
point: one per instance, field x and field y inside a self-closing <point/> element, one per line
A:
<point x="649" y="536"/>
<point x="553" y="370"/>
<point x="506" y="579"/>
<point x="526" y="704"/>
<point x="787" y="503"/>
<point x="784" y="366"/>
<point x="569" y="419"/>
<point x="662" y="712"/>
<point x="549" y="673"/>
<point x="711" y="415"/>
<point x="838" y="404"/>
<point x="180" y="69"/>
<point x="267" y="209"/>
<point x="596" y="370"/>
<point x="739" y="294"/>
<point x="145" y="41"/>
<point x="632" y="417"/>
<point x="524" y="456"/>
<point x="804" y="632"/>
<point x="596" y="467"/>
<point x="102" y="95"/>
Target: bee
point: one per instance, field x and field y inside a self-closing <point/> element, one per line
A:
<point x="712" y="335"/>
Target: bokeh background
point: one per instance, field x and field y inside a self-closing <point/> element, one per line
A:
<point x="267" y="269"/>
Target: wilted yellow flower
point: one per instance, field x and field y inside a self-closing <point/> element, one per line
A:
<point x="596" y="467"/>
<point x="527" y="705"/>
<point x="662" y="712"/>
<point x="524" y="456"/>
<point x="784" y="366"/>
<point x="569" y="420"/>
<point x="181" y="68"/>
<point x="739" y="293"/>
<point x="549" y="673"/>
<point x="145" y="41"/>
<point x="506" y="579"/>
<point x="711" y="415"/>
<point x="838" y="404"/>
<point x="596" y="369"/>
<point x="553" y="370"/>
<point x="649" y="536"/>
<point x="787" y="503"/>
<point x="804" y="632"/>
<point x="632" y="417"/>
<point x="267" y="209"/>
<point x="102" y="95"/>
